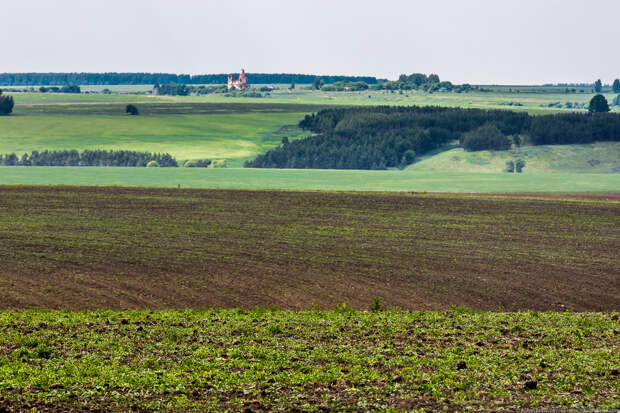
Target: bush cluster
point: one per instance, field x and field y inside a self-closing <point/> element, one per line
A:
<point x="62" y="89"/>
<point x="198" y="163"/>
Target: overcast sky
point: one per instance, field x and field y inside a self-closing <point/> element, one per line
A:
<point x="474" y="41"/>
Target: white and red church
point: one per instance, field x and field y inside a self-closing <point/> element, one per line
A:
<point x="241" y="83"/>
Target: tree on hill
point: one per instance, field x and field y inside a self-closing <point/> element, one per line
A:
<point x="598" y="104"/>
<point x="318" y="83"/>
<point x="616" y="86"/>
<point x="598" y="86"/>
<point x="6" y="104"/>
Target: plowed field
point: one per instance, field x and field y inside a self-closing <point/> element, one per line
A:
<point x="121" y="248"/>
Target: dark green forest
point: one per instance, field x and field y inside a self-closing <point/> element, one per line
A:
<point x="38" y="79"/>
<point x="383" y="137"/>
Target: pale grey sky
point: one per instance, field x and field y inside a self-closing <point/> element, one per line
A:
<point x="475" y="41"/>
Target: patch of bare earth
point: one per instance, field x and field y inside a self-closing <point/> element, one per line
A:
<point x="85" y="248"/>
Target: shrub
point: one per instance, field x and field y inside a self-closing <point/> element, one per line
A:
<point x="344" y="309"/>
<point x="487" y="136"/>
<point x="510" y="166"/>
<point x="519" y="165"/>
<point x="220" y="163"/>
<point x="376" y="305"/>
<point x="132" y="110"/>
<point x="152" y="164"/>
<point x="617" y="101"/>
<point x="198" y="163"/>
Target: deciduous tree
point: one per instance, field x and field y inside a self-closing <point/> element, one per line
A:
<point x="6" y="104"/>
<point x="599" y="104"/>
<point x="598" y="86"/>
<point x="132" y="110"/>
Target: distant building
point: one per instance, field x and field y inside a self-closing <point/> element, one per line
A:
<point x="241" y="83"/>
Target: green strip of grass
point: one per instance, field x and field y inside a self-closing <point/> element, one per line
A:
<point x="307" y="179"/>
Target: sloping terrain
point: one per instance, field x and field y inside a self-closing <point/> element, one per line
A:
<point x="599" y="157"/>
<point x="85" y="248"/>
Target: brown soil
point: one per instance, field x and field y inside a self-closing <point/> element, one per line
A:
<point x="598" y="196"/>
<point x="84" y="248"/>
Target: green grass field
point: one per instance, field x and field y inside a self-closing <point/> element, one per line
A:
<point x="235" y="137"/>
<point x="312" y="179"/>
<point x="223" y="360"/>
<point x="599" y="157"/>
<point x="29" y="98"/>
<point x="500" y="99"/>
<point x="531" y="102"/>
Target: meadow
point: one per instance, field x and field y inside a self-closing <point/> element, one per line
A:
<point x="342" y="360"/>
<point x="186" y="132"/>
<point x="409" y="180"/>
<point x="598" y="157"/>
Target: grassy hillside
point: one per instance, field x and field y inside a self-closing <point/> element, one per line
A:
<point x="235" y="360"/>
<point x="600" y="157"/>
<point x="232" y="136"/>
<point x="315" y="179"/>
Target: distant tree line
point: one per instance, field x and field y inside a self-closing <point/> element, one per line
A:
<point x="88" y="158"/>
<point x="383" y="137"/>
<point x="30" y="79"/>
<point x="416" y="81"/>
<point x="174" y="89"/>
